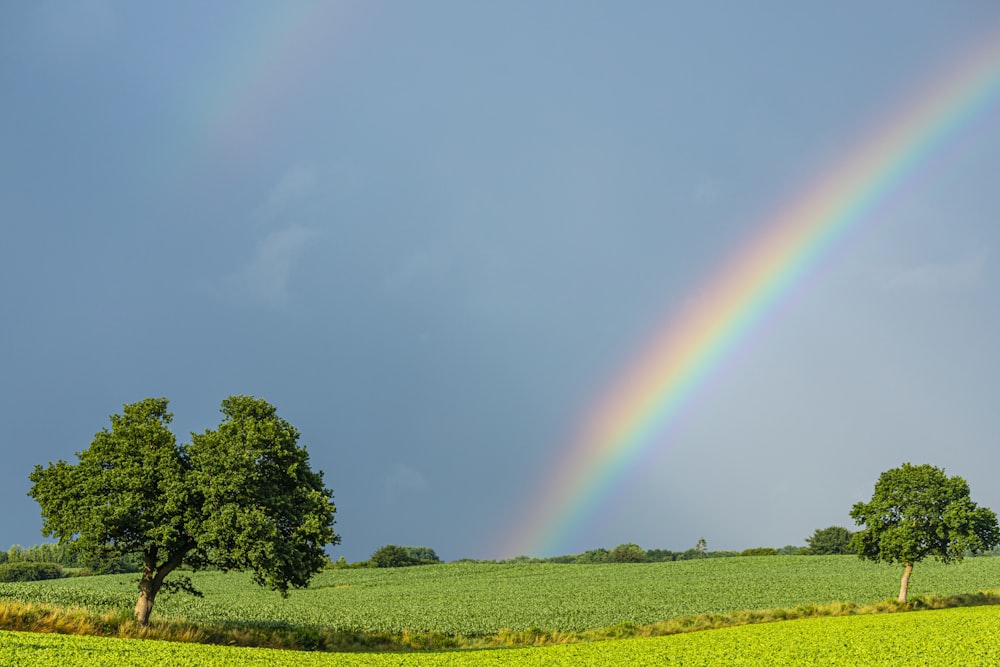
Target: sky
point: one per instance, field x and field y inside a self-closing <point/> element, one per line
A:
<point x="434" y="234"/>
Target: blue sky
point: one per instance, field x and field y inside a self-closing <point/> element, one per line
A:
<point x="433" y="233"/>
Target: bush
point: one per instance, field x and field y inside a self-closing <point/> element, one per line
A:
<point x="760" y="551"/>
<point x="563" y="560"/>
<point x="29" y="571"/>
<point x="341" y="564"/>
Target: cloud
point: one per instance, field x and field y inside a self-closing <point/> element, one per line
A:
<point x="426" y="263"/>
<point x="403" y="480"/>
<point x="946" y="276"/>
<point x="296" y="184"/>
<point x="265" y="279"/>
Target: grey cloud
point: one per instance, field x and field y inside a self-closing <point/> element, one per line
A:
<point x="296" y="184"/>
<point x="265" y="279"/>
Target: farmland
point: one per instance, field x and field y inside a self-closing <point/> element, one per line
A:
<point x="484" y="604"/>
<point x="946" y="637"/>
<point x="477" y="599"/>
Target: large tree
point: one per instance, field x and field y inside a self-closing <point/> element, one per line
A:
<point x="918" y="511"/>
<point x="240" y="497"/>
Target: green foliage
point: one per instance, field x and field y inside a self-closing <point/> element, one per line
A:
<point x="423" y="554"/>
<point x="240" y="497"/>
<point x="918" y="511"/>
<point x="27" y="571"/>
<point x="121" y="496"/>
<point x="760" y="551"/>
<point x="393" y="556"/>
<point x="594" y="556"/>
<point x="522" y="559"/>
<point x="64" y="554"/>
<point x="127" y="563"/>
<point x="695" y="554"/>
<point x="44" y="553"/>
<point x="483" y="598"/>
<point x="628" y="553"/>
<point x="260" y="506"/>
<point x="963" y="636"/>
<point x="792" y="550"/>
<point x="565" y="559"/>
<point x="835" y="540"/>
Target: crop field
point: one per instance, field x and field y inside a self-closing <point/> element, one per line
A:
<point x="964" y="636"/>
<point x="475" y="599"/>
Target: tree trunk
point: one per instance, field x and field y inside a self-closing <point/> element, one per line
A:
<point x="148" y="588"/>
<point x="904" y="585"/>
<point x="152" y="580"/>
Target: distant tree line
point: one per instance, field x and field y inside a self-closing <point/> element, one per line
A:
<point x="64" y="556"/>
<point x="41" y="553"/>
<point x="392" y="555"/>
<point x="824" y="541"/>
<point x="633" y="553"/>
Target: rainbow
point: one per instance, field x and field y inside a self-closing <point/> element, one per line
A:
<point x="633" y="415"/>
<point x="270" y="58"/>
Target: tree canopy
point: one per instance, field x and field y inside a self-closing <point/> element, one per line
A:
<point x="628" y="552"/>
<point x="829" y="541"/>
<point x="239" y="497"/>
<point x="916" y="512"/>
<point x="392" y="555"/>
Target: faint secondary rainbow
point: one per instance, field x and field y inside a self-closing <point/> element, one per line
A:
<point x="633" y="414"/>
<point x="268" y="57"/>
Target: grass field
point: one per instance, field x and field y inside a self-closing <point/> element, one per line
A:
<point x="946" y="637"/>
<point x="475" y="599"/>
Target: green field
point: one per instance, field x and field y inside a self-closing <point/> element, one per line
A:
<point x="946" y="637"/>
<point x="485" y="601"/>
<point x="475" y="599"/>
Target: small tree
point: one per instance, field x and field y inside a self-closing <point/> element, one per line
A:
<point x="829" y="541"/>
<point x="918" y="511"/>
<point x="701" y="548"/>
<point x="241" y="497"/>
<point x="29" y="571"/>
<point x="759" y="551"/>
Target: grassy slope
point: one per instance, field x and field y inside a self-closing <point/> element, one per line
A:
<point x="947" y="637"/>
<point x="471" y="599"/>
